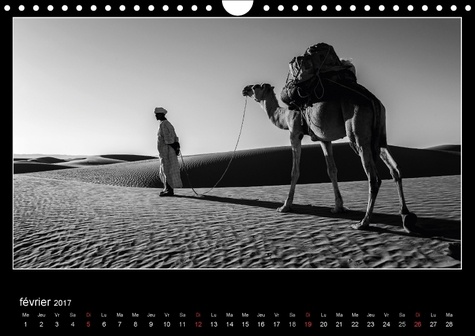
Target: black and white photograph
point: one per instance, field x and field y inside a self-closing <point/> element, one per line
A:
<point x="218" y="167"/>
<point x="236" y="143"/>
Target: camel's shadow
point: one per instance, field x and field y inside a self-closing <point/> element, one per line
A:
<point x="426" y="226"/>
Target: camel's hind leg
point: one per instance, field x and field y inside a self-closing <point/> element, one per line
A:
<point x="408" y="218"/>
<point x="374" y="183"/>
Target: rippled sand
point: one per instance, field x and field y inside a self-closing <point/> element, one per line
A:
<point x="61" y="223"/>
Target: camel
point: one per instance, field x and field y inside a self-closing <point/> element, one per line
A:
<point x="363" y="124"/>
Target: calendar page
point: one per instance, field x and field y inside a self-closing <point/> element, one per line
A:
<point x="215" y="167"/>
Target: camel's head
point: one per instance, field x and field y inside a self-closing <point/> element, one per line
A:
<point x="258" y="91"/>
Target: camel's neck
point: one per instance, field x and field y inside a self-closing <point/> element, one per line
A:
<point x="275" y="113"/>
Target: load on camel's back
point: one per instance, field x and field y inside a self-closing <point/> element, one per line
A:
<point x="320" y="75"/>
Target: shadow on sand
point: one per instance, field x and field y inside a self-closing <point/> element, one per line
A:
<point x="428" y="227"/>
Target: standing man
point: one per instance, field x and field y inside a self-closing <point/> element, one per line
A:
<point x="168" y="151"/>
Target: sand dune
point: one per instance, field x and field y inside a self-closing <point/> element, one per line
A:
<point x="272" y="166"/>
<point x="92" y="160"/>
<point x="20" y="167"/>
<point x="128" y="157"/>
<point x="448" y="148"/>
<point x="47" y="159"/>
<point x="257" y="167"/>
<point x="40" y="163"/>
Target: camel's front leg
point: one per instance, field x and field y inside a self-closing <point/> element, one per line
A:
<point x="296" y="142"/>
<point x="332" y="173"/>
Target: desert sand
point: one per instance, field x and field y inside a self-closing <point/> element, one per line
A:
<point x="92" y="215"/>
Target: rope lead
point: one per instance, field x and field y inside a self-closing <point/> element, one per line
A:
<point x="229" y="163"/>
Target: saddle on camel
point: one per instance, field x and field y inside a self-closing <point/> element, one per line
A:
<point x="320" y="75"/>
